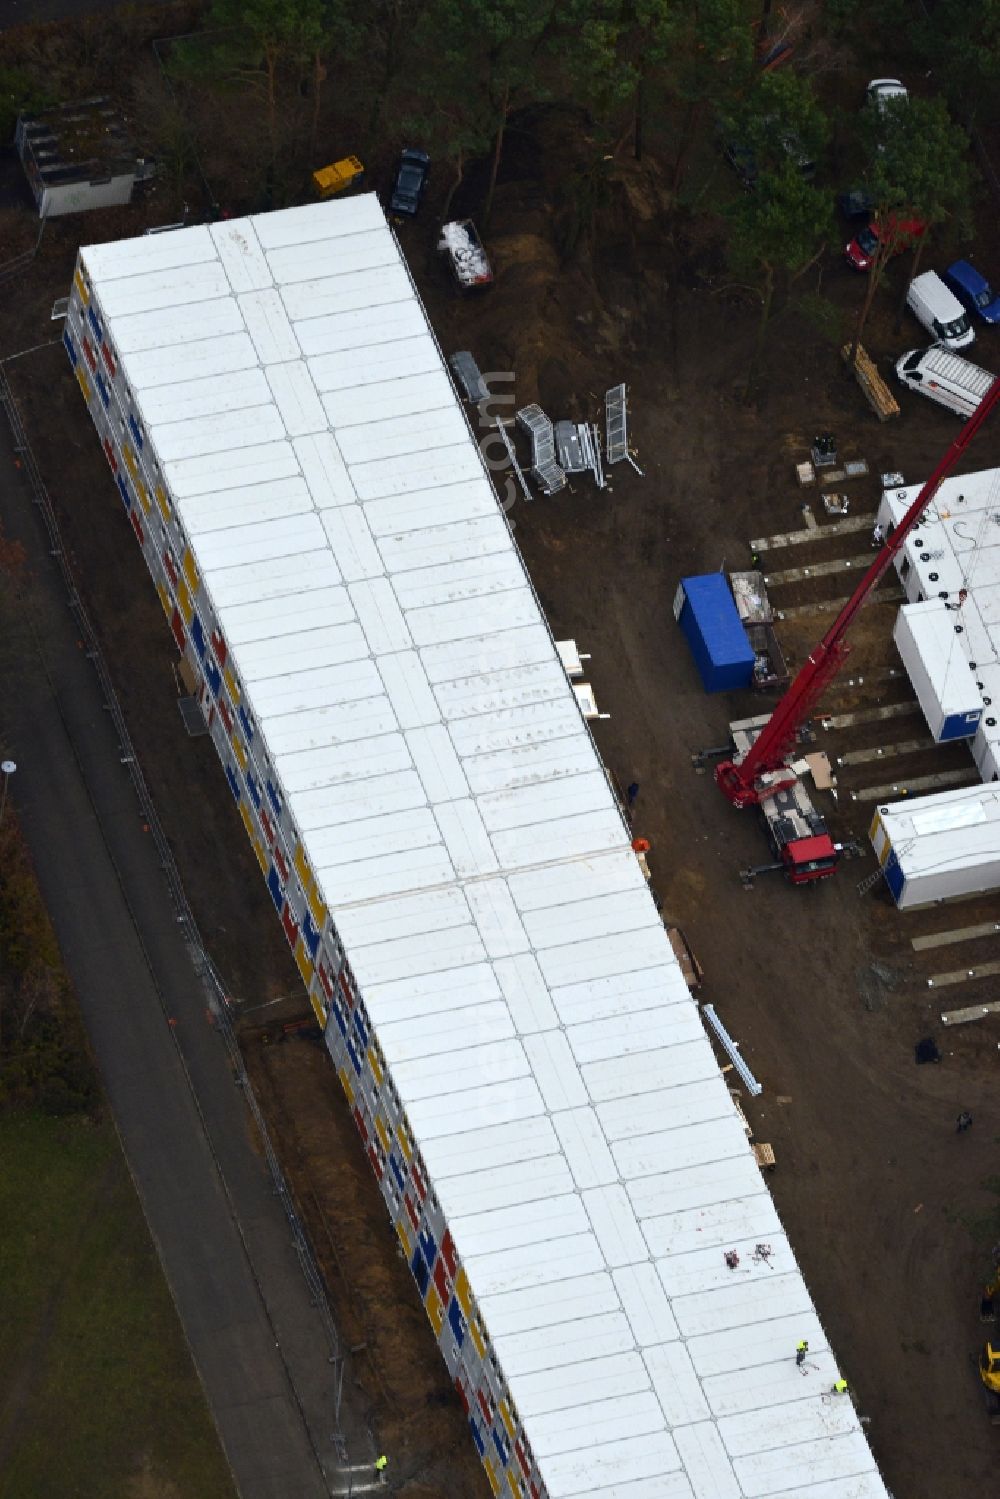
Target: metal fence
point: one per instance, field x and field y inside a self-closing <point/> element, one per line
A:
<point x="203" y="963"/>
<point x="18" y="263"/>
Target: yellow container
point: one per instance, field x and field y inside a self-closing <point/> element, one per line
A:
<point x="338" y="177"/>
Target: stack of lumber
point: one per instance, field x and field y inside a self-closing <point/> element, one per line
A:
<point x="880" y="397"/>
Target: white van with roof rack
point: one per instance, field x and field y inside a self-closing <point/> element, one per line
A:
<point x="945" y="377"/>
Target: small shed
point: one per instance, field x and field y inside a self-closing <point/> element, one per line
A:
<point x="941" y="846"/>
<point x="706" y="612"/>
<point x="79" y="156"/>
<point x="930" y="639"/>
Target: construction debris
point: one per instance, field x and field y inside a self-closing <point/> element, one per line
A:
<point x="466" y="253"/>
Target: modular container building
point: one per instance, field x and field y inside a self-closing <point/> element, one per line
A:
<point x="931" y="644"/>
<point x="939" y="846"/>
<point x="706" y="611"/>
<point x="557" y="1149"/>
<point x="954" y="556"/>
<point x="986" y="745"/>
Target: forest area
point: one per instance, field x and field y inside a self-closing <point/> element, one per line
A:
<point x="240" y="102"/>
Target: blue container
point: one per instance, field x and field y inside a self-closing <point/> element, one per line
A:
<point x="707" y="613"/>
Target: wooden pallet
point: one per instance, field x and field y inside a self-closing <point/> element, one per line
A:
<point x="764" y="1156"/>
<point x="880" y="397"/>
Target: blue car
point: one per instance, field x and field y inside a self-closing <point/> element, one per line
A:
<point x="973" y="290"/>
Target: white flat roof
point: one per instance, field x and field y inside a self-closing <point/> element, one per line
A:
<point x="943" y="653"/>
<point x="551" y="1061"/>
<point x="945" y="830"/>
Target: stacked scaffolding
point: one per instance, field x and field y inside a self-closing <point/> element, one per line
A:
<point x="546" y="470"/>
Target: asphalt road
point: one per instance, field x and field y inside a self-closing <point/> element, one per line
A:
<point x="218" y="1227"/>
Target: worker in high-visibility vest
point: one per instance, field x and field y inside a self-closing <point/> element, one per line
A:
<point x="381" y="1463"/>
<point x="840" y="1388"/>
<point x="801" y="1349"/>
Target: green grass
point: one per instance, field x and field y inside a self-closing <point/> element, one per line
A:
<point x="98" y="1395"/>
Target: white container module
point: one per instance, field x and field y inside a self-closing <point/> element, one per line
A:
<point x="557" y="1150"/>
<point x="930" y="640"/>
<point x="986" y="745"/>
<point x="939" y="846"/>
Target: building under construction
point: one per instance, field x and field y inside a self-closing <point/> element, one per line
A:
<point x="561" y="1160"/>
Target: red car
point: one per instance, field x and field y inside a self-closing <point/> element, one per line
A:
<point x="863" y="247"/>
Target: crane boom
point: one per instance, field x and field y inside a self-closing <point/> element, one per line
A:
<point x="739" y="780"/>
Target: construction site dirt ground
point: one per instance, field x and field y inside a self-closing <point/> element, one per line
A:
<point x="890" y="1211"/>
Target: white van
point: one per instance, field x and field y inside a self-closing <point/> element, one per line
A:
<point x="946" y="377"/>
<point x="940" y="311"/>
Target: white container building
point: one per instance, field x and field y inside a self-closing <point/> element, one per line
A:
<point x="557" y="1149"/>
<point x="986" y="745"/>
<point x="78" y="157"/>
<point x="939" y="846"/>
<point x="953" y="557"/>
<point x="937" y="663"/>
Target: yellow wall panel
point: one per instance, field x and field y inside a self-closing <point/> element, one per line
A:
<point x="404" y="1238"/>
<point x="435" y="1310"/>
<point x="184" y="603"/>
<point x="190" y="572"/>
<point x="162" y="501"/>
<point x="303" y="962"/>
<point x="404" y="1141"/>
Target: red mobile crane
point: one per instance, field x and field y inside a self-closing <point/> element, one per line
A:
<point x="759" y="775"/>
